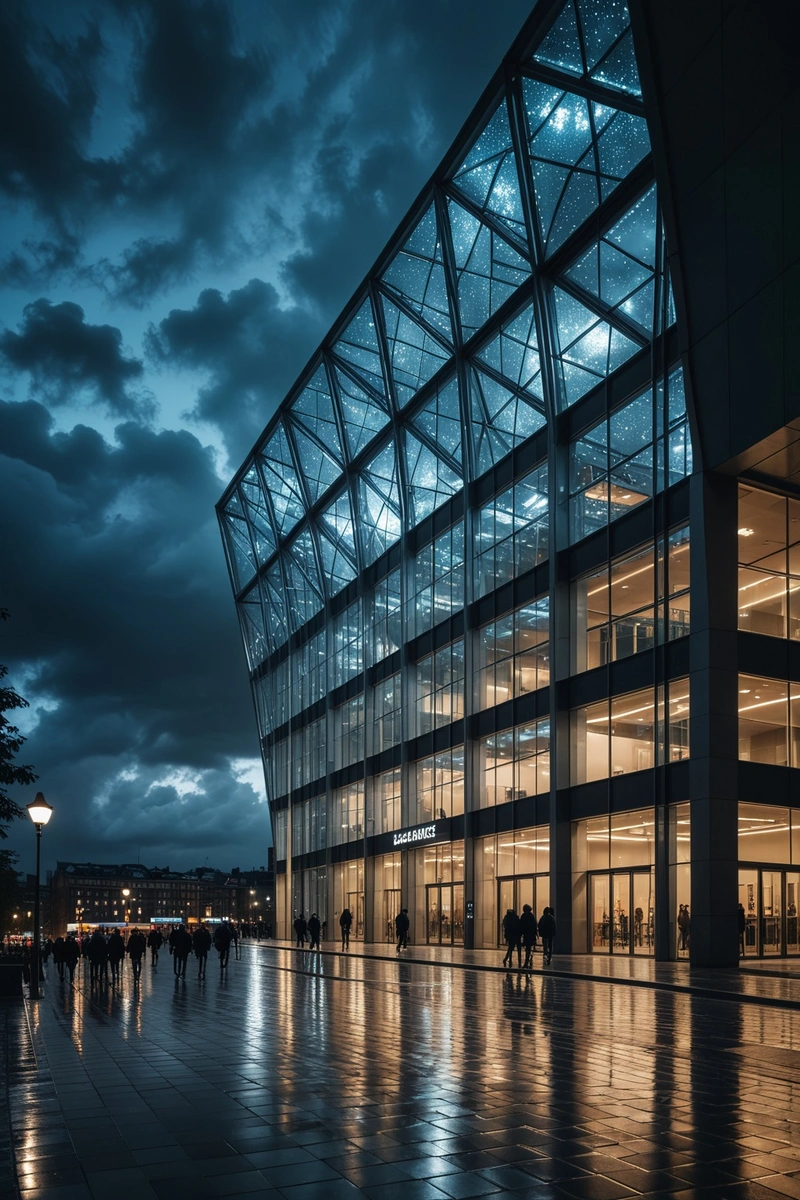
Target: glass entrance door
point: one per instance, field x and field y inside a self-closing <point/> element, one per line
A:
<point x="517" y="890"/>
<point x="771" y="912"/>
<point x="392" y="903"/>
<point x="355" y="902"/>
<point x="621" y="912"/>
<point x="770" y="899"/>
<point x="445" y="913"/>
<point x="792" y="901"/>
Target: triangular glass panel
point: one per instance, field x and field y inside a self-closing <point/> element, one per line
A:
<point x="417" y="274"/>
<point x="336" y="565"/>
<point x="258" y="517"/>
<point x="338" y="519"/>
<point x="274" y="600"/>
<point x="240" y="550"/>
<point x="363" y="416"/>
<point x="603" y="22"/>
<point x="515" y="353"/>
<point x="440" y="419"/>
<point x="618" y="69"/>
<point x="282" y="482"/>
<point x="253" y="630"/>
<point x="561" y="46"/>
<point x="319" y="470"/>
<point x="622" y="143"/>
<point x="487" y="268"/>
<point x="488" y="175"/>
<point x="635" y="232"/>
<point x="414" y="355"/>
<point x="430" y="480"/>
<point x="358" y="345"/>
<point x="379" y="504"/>
<point x="303" y="588"/>
<point x="501" y="419"/>
<point x="590" y="348"/>
<point x="313" y="408"/>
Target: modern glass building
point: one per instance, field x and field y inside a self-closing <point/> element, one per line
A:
<point x="485" y="555"/>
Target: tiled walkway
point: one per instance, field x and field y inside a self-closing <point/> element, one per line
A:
<point x="352" y="1076"/>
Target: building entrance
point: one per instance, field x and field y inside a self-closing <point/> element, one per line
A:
<point x="516" y="890"/>
<point x="621" y="912"/>
<point x="392" y="903"/>
<point x="445" y="914"/>
<point x="355" y="902"/>
<point x="770" y="900"/>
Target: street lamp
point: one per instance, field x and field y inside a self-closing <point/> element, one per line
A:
<point x="126" y="911"/>
<point x="40" y="813"/>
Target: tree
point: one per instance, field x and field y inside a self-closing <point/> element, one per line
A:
<point x="11" y="741"/>
<point x="10" y="895"/>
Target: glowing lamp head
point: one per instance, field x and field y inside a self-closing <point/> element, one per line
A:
<point x="39" y="810"/>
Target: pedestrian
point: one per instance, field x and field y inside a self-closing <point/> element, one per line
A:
<point x="58" y="956"/>
<point x="314" y="928"/>
<point x="685" y="925"/>
<point x="300" y="929"/>
<point x="172" y="934"/>
<point x="547" y="931"/>
<point x="116" y="953"/>
<point x="137" y="947"/>
<point x="513" y="938"/>
<point x="222" y="944"/>
<point x="201" y="944"/>
<point x="527" y="929"/>
<point x="401" y="927"/>
<point x="155" y="940"/>
<point x="234" y="928"/>
<point x="72" y="953"/>
<point x="98" y="955"/>
<point x="181" y="950"/>
<point x="345" y="921"/>
<point x="742" y="928"/>
<point x="48" y="950"/>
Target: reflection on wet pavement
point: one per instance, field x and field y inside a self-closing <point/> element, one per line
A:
<point x="341" y="1077"/>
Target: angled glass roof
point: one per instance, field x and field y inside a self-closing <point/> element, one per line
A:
<point x="440" y="421"/>
<point x="281" y="481"/>
<point x="501" y="419"/>
<point x="359" y="346"/>
<point x="488" y="269"/>
<point x="362" y="414"/>
<point x="256" y="508"/>
<point x="379" y="504"/>
<point x="416" y="274"/>
<point x="274" y="600"/>
<point x="514" y="353"/>
<point x="589" y="348"/>
<point x="414" y="354"/>
<point x="488" y="176"/>
<point x="313" y="409"/>
<point x="431" y="480"/>
<point x="303" y="586"/>
<point x="593" y="38"/>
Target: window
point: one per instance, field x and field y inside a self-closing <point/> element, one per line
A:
<point x="279" y="825"/>
<point x="278" y="769"/>
<point x="384" y="617"/>
<point x="440" y="687"/>
<point x="440" y="785"/>
<point x="769" y="563"/>
<point x="386" y="802"/>
<point x="438" y="581"/>
<point x="628" y="457"/>
<point x="514" y="654"/>
<point x="512" y="532"/>
<point x="348" y="732"/>
<point x="388" y="714"/>
<point x="347" y="814"/>
<point x="346" y="651"/>
<point x="515" y="763"/>
<point x="769" y="721"/>
<point x="312" y="661"/>
<point x="620" y="735"/>
<point x="308" y="753"/>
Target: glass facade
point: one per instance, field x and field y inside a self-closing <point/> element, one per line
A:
<point x="461" y="553"/>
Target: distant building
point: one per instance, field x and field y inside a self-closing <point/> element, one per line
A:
<point x="86" y="894"/>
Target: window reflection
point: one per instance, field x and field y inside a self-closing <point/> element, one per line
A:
<point x="513" y="654"/>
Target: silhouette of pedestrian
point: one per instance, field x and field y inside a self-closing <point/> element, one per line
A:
<point x="98" y="955"/>
<point x="137" y="946"/>
<point x="181" y="949"/>
<point x="72" y="953"/>
<point x="547" y="931"/>
<point x="300" y="930"/>
<point x="234" y="931"/>
<point x="201" y="944"/>
<point x="527" y="929"/>
<point x="116" y="953"/>
<point x="742" y="928"/>
<point x="58" y="956"/>
<point x="222" y="944"/>
<point x="314" y="929"/>
<point x="685" y="925"/>
<point x="512" y="936"/>
<point x="401" y="926"/>
<point x="155" y="940"/>
<point x="345" y="921"/>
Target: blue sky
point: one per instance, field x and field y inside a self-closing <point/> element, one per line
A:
<point x="190" y="194"/>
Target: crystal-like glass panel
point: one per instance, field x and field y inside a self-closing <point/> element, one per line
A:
<point x="430" y="480"/>
<point x="603" y="50"/>
<point x="273" y="599"/>
<point x="363" y="416"/>
<point x="359" y="346"/>
<point x="488" y="269"/>
<point x="515" y="353"/>
<point x="313" y="408"/>
<point x="589" y="348"/>
<point x="336" y="565"/>
<point x="501" y="419"/>
<point x="338" y="520"/>
<point x="416" y="273"/>
<point x="319" y="470"/>
<point x="379" y="504"/>
<point x="253" y="632"/>
<point x="303" y="588"/>
<point x="440" y="419"/>
<point x="240" y="550"/>
<point x="414" y="355"/>
<point x="488" y="175"/>
<point x="282" y="482"/>
<point x="258" y="517"/>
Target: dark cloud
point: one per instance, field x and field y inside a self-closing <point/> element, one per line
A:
<point x="123" y="634"/>
<point x="65" y="357"/>
<point x="249" y="346"/>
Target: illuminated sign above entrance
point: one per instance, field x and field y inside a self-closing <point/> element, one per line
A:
<point x="422" y="833"/>
<point x="418" y="836"/>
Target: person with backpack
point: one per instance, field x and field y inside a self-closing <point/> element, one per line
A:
<point x="401" y="927"/>
<point x="181" y="950"/>
<point x="527" y="928"/>
<point x="116" y="953"/>
<point x="155" y="940"/>
<point x="345" y="921"/>
<point x="314" y="928"/>
<point x="512" y="937"/>
<point x="222" y="944"/>
<point x="300" y="929"/>
<point x="547" y="931"/>
<point x="137" y="947"/>
<point x="201" y="944"/>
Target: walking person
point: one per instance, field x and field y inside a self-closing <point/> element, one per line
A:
<point x="98" y="955"/>
<point x="345" y="921"/>
<point x="527" y="929"/>
<point x="685" y="925"/>
<point x="513" y="938"/>
<point x="222" y="944"/>
<point x="300" y="930"/>
<point x="742" y="929"/>
<point x="201" y="944"/>
<point x="401" y="927"/>
<point x="547" y="931"/>
<point x="234" y="928"/>
<point x="58" y="956"/>
<point x="155" y="940"/>
<point x="72" y="953"/>
<point x="116" y="953"/>
<point x="137" y="946"/>
<point x="181" y="950"/>
<point x="314" y="929"/>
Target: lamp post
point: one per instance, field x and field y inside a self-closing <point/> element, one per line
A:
<point x="126" y="912"/>
<point x="40" y="813"/>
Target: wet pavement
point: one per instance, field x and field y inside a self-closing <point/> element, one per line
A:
<point x="342" y="1076"/>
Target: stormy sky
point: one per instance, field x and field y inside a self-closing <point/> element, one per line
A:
<point x="191" y="190"/>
